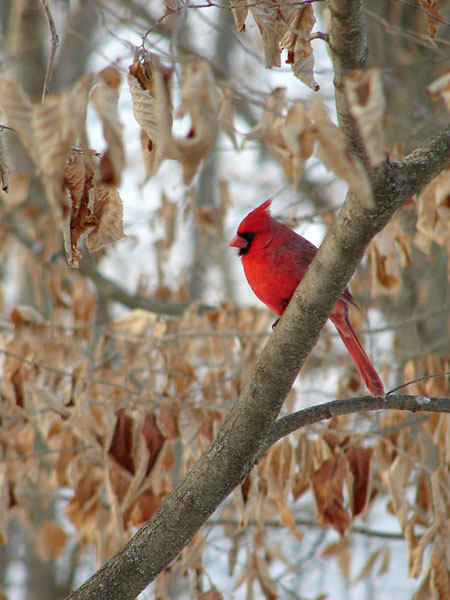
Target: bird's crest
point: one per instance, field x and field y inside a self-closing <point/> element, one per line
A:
<point x="262" y="209"/>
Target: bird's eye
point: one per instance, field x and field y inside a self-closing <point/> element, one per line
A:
<point x="249" y="235"/>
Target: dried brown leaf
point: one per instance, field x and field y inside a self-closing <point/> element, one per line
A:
<point x="415" y="555"/>
<point x="358" y="479"/>
<point x="201" y="100"/>
<point x="342" y="551"/>
<point x="433" y="222"/>
<point x="381" y="276"/>
<point x="364" y="91"/>
<point x="51" y="540"/>
<point x="296" y="41"/>
<point x="271" y="29"/>
<point x="440" y="88"/>
<point x="327" y="484"/>
<point x="337" y="157"/>
<point x="239" y="8"/>
<point x="153" y="437"/>
<point x="122" y="444"/>
<point x="108" y="218"/>
<point x="169" y="410"/>
<point x="432" y="14"/>
<point x="396" y="478"/>
<point x="210" y="595"/>
<point x="272" y="115"/>
<point x="17" y="108"/>
<point x="369" y="565"/>
<point x="298" y="133"/>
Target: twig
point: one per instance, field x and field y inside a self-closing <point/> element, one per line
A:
<point x="54" y="44"/>
<point x="308" y="523"/>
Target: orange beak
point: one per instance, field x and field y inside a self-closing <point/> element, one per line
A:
<point x="238" y="242"/>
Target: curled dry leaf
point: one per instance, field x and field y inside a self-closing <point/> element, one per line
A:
<point x="48" y="131"/>
<point x="122" y="443"/>
<point x="364" y="91"/>
<point x="336" y="156"/>
<point x="108" y="218"/>
<point x="358" y="477"/>
<point x="51" y="540"/>
<point x="152" y="107"/>
<point x="296" y="41"/>
<point x="433" y="222"/>
<point x="396" y="478"/>
<point x="327" y="485"/>
<point x="290" y="138"/>
<point x="299" y="136"/>
<point x="440" y="88"/>
<point x="282" y="26"/>
<point x="389" y="255"/>
<point x="272" y="115"/>
<point x="239" y="8"/>
<point x="342" y="550"/>
<point x="96" y="210"/>
<point x="105" y="98"/>
<point x="141" y="83"/>
<point x="201" y="100"/>
<point x="432" y="14"/>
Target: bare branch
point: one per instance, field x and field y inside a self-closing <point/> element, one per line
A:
<point x="314" y="414"/>
<point x="310" y="523"/>
<point x="54" y="44"/>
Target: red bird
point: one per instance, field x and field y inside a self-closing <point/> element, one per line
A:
<point x="275" y="258"/>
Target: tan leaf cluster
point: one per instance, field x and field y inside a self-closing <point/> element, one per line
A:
<point x="336" y="156"/>
<point x="149" y="84"/>
<point x="81" y="190"/>
<point x="424" y="370"/>
<point x="389" y="254"/>
<point x="122" y="415"/>
<point x="291" y="138"/>
<point x="112" y="425"/>
<point x="364" y="91"/>
<point x="433" y="15"/>
<point x="48" y="131"/>
<point x="433" y="221"/>
<point x="349" y="466"/>
<point x="282" y="26"/>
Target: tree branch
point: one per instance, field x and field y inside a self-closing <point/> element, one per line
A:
<point x="348" y="45"/>
<point x="314" y="414"/>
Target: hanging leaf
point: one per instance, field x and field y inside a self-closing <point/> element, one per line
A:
<point x="366" y="102"/>
<point x="336" y="156"/>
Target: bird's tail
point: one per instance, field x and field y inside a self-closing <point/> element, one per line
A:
<point x="356" y="351"/>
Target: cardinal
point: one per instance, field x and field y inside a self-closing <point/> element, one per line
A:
<point x="275" y="258"/>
